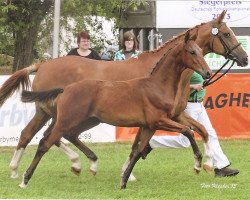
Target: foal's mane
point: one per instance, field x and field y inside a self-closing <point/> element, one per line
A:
<point x="158" y="64"/>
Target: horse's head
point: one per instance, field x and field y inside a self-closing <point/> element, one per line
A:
<point x="192" y="57"/>
<point x="217" y="37"/>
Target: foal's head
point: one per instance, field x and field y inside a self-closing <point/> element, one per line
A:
<point x="192" y="57"/>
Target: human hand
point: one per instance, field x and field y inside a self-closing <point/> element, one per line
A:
<point x="197" y="87"/>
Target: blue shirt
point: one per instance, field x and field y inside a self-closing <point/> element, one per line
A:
<point x="119" y="55"/>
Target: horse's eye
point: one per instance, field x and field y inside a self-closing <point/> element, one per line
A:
<point x="192" y="52"/>
<point x="227" y="35"/>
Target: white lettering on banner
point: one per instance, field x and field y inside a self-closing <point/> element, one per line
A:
<point x="195" y="12"/>
<point x="15" y="115"/>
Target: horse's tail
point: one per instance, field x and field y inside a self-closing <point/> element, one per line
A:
<point x="43" y="96"/>
<point x="19" y="78"/>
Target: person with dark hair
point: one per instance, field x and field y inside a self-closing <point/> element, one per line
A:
<point x="129" y="47"/>
<point x="84" y="50"/>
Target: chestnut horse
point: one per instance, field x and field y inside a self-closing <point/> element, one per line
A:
<point x="66" y="70"/>
<point x="143" y="102"/>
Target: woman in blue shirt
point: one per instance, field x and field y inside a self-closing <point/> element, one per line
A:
<point x="129" y="47"/>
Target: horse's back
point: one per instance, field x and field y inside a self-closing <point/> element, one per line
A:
<point x="69" y="69"/>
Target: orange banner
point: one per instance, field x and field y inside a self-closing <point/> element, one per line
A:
<point x="227" y="102"/>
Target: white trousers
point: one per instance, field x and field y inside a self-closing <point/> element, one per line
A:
<point x="198" y="112"/>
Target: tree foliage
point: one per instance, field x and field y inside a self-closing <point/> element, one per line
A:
<point x="26" y="26"/>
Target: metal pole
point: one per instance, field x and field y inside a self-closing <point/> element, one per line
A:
<point x="141" y="39"/>
<point x="57" y="4"/>
<point x="151" y="39"/>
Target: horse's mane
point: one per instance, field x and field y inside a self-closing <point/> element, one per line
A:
<point x="171" y="40"/>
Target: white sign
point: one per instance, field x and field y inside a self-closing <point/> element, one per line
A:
<point x="186" y="14"/>
<point x="15" y="115"/>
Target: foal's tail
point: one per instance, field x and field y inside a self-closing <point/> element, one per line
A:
<point x="43" y="96"/>
<point x="19" y="78"/>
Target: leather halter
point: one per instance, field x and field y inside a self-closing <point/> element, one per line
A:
<point x="228" y="51"/>
<point x="228" y="54"/>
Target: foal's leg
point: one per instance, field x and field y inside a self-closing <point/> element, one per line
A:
<point x="170" y="125"/>
<point x="142" y="138"/>
<point x="90" y="154"/>
<point x="44" y="145"/>
<point x="134" y="146"/>
<point x="199" y="128"/>
<point x="73" y="138"/>
<point x="36" y="123"/>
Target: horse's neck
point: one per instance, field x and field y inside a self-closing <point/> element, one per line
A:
<point x="202" y="40"/>
<point x="168" y="72"/>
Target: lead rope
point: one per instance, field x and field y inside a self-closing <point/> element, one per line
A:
<point x="210" y="81"/>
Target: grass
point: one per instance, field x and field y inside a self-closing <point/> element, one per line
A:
<point x="165" y="174"/>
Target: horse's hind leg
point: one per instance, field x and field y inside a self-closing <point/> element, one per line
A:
<point x="199" y="128"/>
<point x="36" y="123"/>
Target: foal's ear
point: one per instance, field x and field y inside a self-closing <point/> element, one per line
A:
<point x="187" y="36"/>
<point x="221" y="17"/>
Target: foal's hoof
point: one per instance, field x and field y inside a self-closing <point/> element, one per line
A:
<point x="23" y="185"/>
<point x="123" y="186"/>
<point x="76" y="171"/>
<point x="208" y="168"/>
<point x="197" y="171"/>
<point x="93" y="172"/>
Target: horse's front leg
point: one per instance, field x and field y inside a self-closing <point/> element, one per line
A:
<point x="142" y="138"/>
<point x="169" y="125"/>
<point x="134" y="146"/>
<point x="185" y="119"/>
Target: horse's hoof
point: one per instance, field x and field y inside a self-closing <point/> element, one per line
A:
<point x="131" y="178"/>
<point x="14" y="174"/>
<point x="123" y="186"/>
<point x="93" y="172"/>
<point x="197" y="171"/>
<point x="208" y="169"/>
<point x="76" y="171"/>
<point x="93" y="167"/>
<point x="23" y="185"/>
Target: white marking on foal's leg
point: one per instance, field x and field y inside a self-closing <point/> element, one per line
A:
<point x="208" y="165"/>
<point x="73" y="156"/>
<point x="197" y="165"/>
<point x="22" y="184"/>
<point x="124" y="167"/>
<point x="93" y="166"/>
<point x="15" y="162"/>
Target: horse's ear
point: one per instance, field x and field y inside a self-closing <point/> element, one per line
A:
<point x="221" y="17"/>
<point x="187" y="36"/>
<point x="194" y="37"/>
